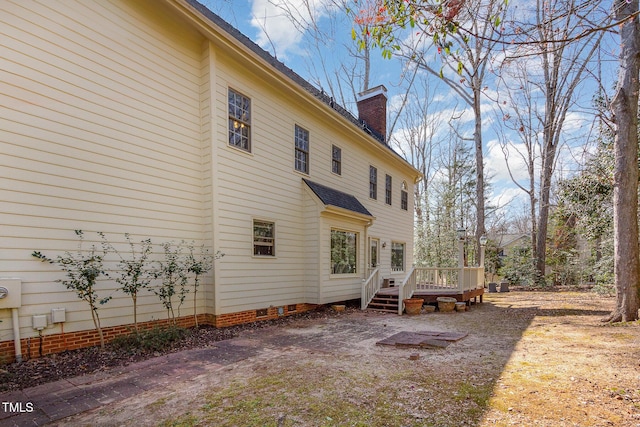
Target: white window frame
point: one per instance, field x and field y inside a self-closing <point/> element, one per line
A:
<point x="336" y="161"/>
<point x="404" y="197"/>
<point x="374" y="262"/>
<point x="394" y="248"/>
<point x="263" y="241"/>
<point x="301" y="164"/>
<point x="239" y="120"/>
<point x="373" y="182"/>
<point x="348" y="268"/>
<point x="388" y="189"/>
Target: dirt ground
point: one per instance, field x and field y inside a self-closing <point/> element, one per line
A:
<point x="530" y="359"/>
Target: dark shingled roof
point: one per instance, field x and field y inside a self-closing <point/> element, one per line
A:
<point x="330" y="196"/>
<point x="275" y="63"/>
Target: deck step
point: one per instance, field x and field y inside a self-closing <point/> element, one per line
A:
<point x="386" y="303"/>
<point x="384" y="307"/>
<point x="384" y="310"/>
<point x="383" y="302"/>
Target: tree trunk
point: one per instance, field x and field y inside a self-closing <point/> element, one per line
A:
<point x="477" y="137"/>
<point x="544" y="206"/>
<point x="625" y="193"/>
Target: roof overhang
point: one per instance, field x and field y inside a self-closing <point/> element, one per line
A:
<point x="337" y="202"/>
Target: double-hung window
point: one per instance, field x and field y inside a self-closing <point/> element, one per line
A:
<point x="373" y="182"/>
<point x="239" y="121"/>
<point x="336" y="160"/>
<point x="302" y="150"/>
<point x="387" y="189"/>
<point x="404" y="197"/>
<point x="264" y="243"/>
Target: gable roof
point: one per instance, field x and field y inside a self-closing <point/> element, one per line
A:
<point x="505" y="239"/>
<point x="332" y="197"/>
<point x="295" y="77"/>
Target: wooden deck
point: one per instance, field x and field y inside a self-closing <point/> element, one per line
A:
<point x="431" y="295"/>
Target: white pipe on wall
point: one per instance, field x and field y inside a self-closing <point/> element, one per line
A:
<point x="16" y="334"/>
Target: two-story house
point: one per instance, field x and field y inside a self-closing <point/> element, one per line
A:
<point x="159" y="119"/>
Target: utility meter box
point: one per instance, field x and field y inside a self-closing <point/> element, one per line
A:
<point x="10" y="293"/>
<point x="39" y="321"/>
<point x="58" y="315"/>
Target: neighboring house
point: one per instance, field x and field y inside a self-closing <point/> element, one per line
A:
<point x="158" y="119"/>
<point x="507" y="242"/>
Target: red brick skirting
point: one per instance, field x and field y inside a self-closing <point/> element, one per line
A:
<point x="250" y="316"/>
<point x="55" y="343"/>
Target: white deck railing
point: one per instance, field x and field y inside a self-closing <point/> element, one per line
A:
<point x="407" y="288"/>
<point x="370" y="288"/>
<point x="449" y="279"/>
<point x="439" y="280"/>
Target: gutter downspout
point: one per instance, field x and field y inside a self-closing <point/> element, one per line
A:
<point x="16" y="334"/>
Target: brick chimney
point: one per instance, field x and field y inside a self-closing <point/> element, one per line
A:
<point x="372" y="109"/>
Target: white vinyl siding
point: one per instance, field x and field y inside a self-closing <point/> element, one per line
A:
<point x="99" y="131"/>
<point x="263" y="184"/>
<point x="114" y="118"/>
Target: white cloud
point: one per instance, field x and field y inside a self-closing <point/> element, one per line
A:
<point x="498" y="167"/>
<point x="281" y="23"/>
<point x="508" y="196"/>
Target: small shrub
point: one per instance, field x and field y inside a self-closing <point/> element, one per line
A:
<point x="199" y="265"/>
<point x="134" y="269"/>
<point x="83" y="271"/>
<point x="172" y="272"/>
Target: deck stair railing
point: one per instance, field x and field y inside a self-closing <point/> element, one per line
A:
<point x="406" y="289"/>
<point x="370" y="287"/>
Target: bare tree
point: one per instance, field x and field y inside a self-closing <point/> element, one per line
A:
<point x="417" y="139"/>
<point x="521" y="115"/>
<point x="563" y="63"/>
<point x="465" y="70"/>
<point x="625" y="193"/>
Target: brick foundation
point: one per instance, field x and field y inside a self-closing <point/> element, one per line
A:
<point x="250" y="316"/>
<point x="56" y="343"/>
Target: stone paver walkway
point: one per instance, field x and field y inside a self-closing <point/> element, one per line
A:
<point x="54" y="401"/>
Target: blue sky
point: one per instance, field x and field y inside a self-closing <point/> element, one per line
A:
<point x="268" y="26"/>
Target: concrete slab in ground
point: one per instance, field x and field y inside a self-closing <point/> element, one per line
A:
<point x="423" y="339"/>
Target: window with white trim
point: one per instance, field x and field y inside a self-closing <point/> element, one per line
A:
<point x="397" y="256"/>
<point x="239" y="121"/>
<point x="374" y="253"/>
<point x="404" y="197"/>
<point x="336" y="160"/>
<point x="264" y="238"/>
<point x="344" y="252"/>
<point x="388" y="189"/>
<point x="373" y="182"/>
<point x="302" y="150"/>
